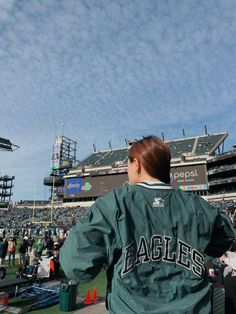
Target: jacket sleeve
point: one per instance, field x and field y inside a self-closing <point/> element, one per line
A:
<point x="89" y="244"/>
<point x="222" y="236"/>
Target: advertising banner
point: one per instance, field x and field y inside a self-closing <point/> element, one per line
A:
<point x="73" y="186"/>
<point x="93" y="186"/>
<point x="189" y="178"/>
<point x="55" y="163"/>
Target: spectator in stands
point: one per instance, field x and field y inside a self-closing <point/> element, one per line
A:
<point x="153" y="239"/>
<point x="11" y="251"/>
<point x="23" y="232"/>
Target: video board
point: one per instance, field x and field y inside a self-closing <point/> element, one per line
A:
<point x="189" y="178"/>
<point x="93" y="186"/>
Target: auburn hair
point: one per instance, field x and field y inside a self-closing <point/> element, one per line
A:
<point x="154" y="155"/>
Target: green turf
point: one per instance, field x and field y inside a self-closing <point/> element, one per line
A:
<point x="10" y="271"/>
<point x="99" y="282"/>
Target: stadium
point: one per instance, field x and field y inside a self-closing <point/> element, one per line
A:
<point x="199" y="165"/>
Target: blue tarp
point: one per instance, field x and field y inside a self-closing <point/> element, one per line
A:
<point x="43" y="295"/>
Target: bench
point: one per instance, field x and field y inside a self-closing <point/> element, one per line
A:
<point x="12" y="285"/>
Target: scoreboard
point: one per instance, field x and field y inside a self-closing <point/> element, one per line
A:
<point x="93" y="186"/>
<point x="185" y="177"/>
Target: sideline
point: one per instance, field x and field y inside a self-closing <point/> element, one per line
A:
<point x="98" y="308"/>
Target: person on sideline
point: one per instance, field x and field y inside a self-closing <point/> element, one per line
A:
<point x="229" y="260"/>
<point x="39" y="246"/>
<point x="11" y="250"/>
<point x="2" y="252"/>
<point x="153" y="239"/>
<point x="23" y="248"/>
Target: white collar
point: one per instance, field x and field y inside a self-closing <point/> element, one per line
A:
<point x="155" y="185"/>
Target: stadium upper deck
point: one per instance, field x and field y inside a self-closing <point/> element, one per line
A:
<point x="103" y="170"/>
<point x="198" y="165"/>
<point x="198" y="147"/>
<point x="113" y="158"/>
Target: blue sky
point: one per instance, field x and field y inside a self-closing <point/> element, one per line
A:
<point x="110" y="70"/>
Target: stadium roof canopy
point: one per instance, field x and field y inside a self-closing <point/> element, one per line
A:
<point x="204" y="145"/>
<point x="6" y="145"/>
<point x="114" y="157"/>
<point x="198" y="145"/>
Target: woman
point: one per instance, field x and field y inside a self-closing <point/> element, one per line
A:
<point x="152" y="238"/>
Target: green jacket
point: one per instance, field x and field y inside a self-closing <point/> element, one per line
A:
<point x="154" y="240"/>
<point x="39" y="246"/>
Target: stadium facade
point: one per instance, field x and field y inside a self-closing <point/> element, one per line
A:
<point x="198" y="164"/>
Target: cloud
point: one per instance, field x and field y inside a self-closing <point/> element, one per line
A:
<point x="5" y="8"/>
<point x="110" y="70"/>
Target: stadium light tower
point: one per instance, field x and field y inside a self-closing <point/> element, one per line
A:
<point x="7" y="145"/>
<point x="63" y="159"/>
<point x="6" y="182"/>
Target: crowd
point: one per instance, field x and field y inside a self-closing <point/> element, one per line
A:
<point x="28" y="217"/>
<point x="27" y="238"/>
<point x="28" y="250"/>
